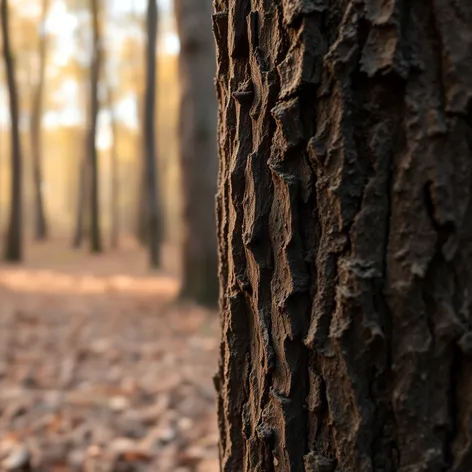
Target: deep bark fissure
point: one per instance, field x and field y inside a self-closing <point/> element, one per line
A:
<point x="453" y="408"/>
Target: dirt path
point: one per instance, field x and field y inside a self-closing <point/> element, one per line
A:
<point x="99" y="371"/>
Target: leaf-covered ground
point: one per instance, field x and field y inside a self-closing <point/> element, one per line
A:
<point x="99" y="370"/>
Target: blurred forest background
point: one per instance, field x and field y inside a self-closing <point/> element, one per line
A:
<point x="63" y="35"/>
<point x="108" y="265"/>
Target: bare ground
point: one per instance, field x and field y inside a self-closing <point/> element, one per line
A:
<point x="99" y="370"/>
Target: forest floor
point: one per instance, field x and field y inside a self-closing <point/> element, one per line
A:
<point x="99" y="370"/>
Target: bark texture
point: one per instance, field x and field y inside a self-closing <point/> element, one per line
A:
<point x="198" y="152"/>
<point x="345" y="235"/>
<point x="13" y="242"/>
<point x="40" y="225"/>
<point x="152" y="209"/>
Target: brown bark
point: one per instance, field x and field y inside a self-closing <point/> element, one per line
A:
<point x="150" y="178"/>
<point x="345" y="235"/>
<point x="40" y="225"/>
<point x="198" y="161"/>
<point x="95" y="233"/>
<point x="13" y="243"/>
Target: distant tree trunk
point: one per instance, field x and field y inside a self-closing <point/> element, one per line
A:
<point x="345" y="235"/>
<point x="142" y="231"/>
<point x="114" y="175"/>
<point x="141" y="194"/>
<point x="95" y="234"/>
<point x="83" y="166"/>
<point x="40" y="226"/>
<point x="141" y="209"/>
<point x="13" y="244"/>
<point x="81" y="200"/>
<point x="198" y="154"/>
<point x="153" y="210"/>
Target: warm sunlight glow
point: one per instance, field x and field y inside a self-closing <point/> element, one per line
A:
<point x="171" y="44"/>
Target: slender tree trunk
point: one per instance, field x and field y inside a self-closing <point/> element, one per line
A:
<point x="142" y="202"/>
<point x="345" y="235"/>
<point x="95" y="233"/>
<point x="141" y="194"/>
<point x="153" y="210"/>
<point x="13" y="243"/>
<point x="40" y="226"/>
<point x="81" y="200"/>
<point x="198" y="160"/>
<point x="114" y="176"/>
<point x="142" y="231"/>
<point x="83" y="167"/>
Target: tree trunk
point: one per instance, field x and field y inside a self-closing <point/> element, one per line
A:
<point x="141" y="208"/>
<point x="83" y="188"/>
<point x="198" y="152"/>
<point x="13" y="243"/>
<point x="81" y="199"/>
<point x="345" y="235"/>
<point x="95" y="234"/>
<point x="153" y="210"/>
<point x="141" y="220"/>
<point x="114" y="175"/>
<point x="40" y="226"/>
<point x="141" y="194"/>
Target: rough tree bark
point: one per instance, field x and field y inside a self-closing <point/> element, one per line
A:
<point x="95" y="233"/>
<point x="40" y="225"/>
<point x="198" y="153"/>
<point x="13" y="242"/>
<point x="345" y="235"/>
<point x="152" y="207"/>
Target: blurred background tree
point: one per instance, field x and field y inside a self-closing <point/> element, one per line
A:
<point x="197" y="150"/>
<point x="95" y="69"/>
<point x="40" y="225"/>
<point x="153" y="220"/>
<point x="14" y="237"/>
